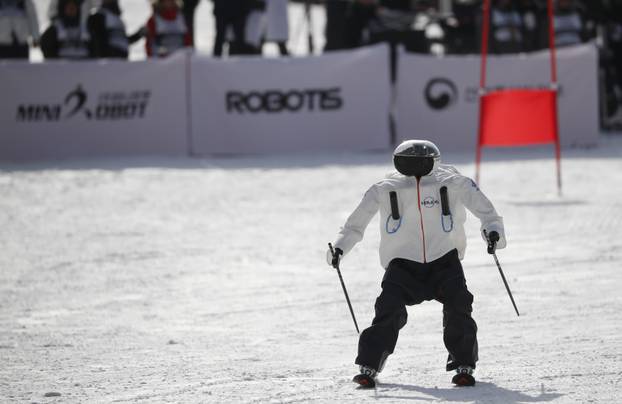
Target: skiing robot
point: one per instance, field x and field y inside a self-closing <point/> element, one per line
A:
<point x="422" y="216"/>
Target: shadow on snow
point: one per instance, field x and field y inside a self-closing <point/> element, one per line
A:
<point x="483" y="392"/>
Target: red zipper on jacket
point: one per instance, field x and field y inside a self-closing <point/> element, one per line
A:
<point x="421" y="218"/>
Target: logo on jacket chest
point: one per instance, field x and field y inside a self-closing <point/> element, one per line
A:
<point x="430" y="202"/>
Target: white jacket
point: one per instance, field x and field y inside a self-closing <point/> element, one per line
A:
<point x="421" y="234"/>
<point x="18" y="19"/>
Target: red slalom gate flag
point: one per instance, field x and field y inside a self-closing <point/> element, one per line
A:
<point x="518" y="117"/>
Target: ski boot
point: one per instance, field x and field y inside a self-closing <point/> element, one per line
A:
<point x="367" y="378"/>
<point x="464" y="376"/>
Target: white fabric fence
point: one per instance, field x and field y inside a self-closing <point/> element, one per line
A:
<point x="437" y="98"/>
<point x="85" y="109"/>
<point x="195" y="105"/>
<point x="337" y="101"/>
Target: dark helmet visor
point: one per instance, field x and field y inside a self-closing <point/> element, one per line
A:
<point x="413" y="166"/>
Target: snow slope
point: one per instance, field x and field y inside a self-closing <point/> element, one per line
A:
<point x="187" y="280"/>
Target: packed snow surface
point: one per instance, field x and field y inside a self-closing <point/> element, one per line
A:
<point x="204" y="280"/>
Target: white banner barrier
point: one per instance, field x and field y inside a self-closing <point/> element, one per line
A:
<point x="337" y="101"/>
<point x="84" y="109"/>
<point x="437" y="98"/>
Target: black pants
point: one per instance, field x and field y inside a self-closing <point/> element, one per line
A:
<point x="14" y="51"/>
<point x="188" y="9"/>
<point x="409" y="283"/>
<point x="238" y="46"/>
<point x="335" y="31"/>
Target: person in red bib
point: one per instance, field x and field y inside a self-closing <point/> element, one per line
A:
<point x="167" y="31"/>
<point x="18" y="24"/>
<point x="66" y="37"/>
<point x="107" y="31"/>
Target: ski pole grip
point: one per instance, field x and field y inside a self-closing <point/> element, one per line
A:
<point x="395" y="210"/>
<point x="493" y="237"/>
<point x="444" y="201"/>
<point x="336" y="253"/>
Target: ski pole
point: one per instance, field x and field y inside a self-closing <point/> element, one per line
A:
<point x="492" y="245"/>
<point x="345" y="292"/>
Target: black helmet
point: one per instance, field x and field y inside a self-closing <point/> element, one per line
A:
<point x="416" y="158"/>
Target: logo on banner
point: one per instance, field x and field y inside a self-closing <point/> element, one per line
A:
<point x="276" y="101"/>
<point x="440" y="93"/>
<point x="109" y="106"/>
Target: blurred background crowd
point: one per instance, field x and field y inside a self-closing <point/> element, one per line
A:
<point x="81" y="29"/>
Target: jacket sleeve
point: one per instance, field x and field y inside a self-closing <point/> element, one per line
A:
<point x="49" y="43"/>
<point x="150" y="36"/>
<point x="354" y="228"/>
<point x="478" y="204"/>
<point x="52" y="9"/>
<point x="85" y="12"/>
<point x="188" y="39"/>
<point x="33" y="22"/>
<point x="97" y="28"/>
<point x="138" y="35"/>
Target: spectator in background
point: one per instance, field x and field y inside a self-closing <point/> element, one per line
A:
<point x="428" y="31"/>
<point x="268" y="22"/>
<point x="461" y="30"/>
<point x="65" y="37"/>
<point x="568" y="23"/>
<point x="277" y="30"/>
<point x="18" y="23"/>
<point x="533" y="18"/>
<point x="359" y="15"/>
<point x="54" y="10"/>
<point x="230" y="15"/>
<point x="254" y="28"/>
<point x="335" y="30"/>
<point x="611" y="67"/>
<point x="506" y="28"/>
<point x="614" y="40"/>
<point x="393" y="16"/>
<point x="392" y="23"/>
<point x="189" y="9"/>
<point x="107" y="32"/>
<point x="166" y="30"/>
